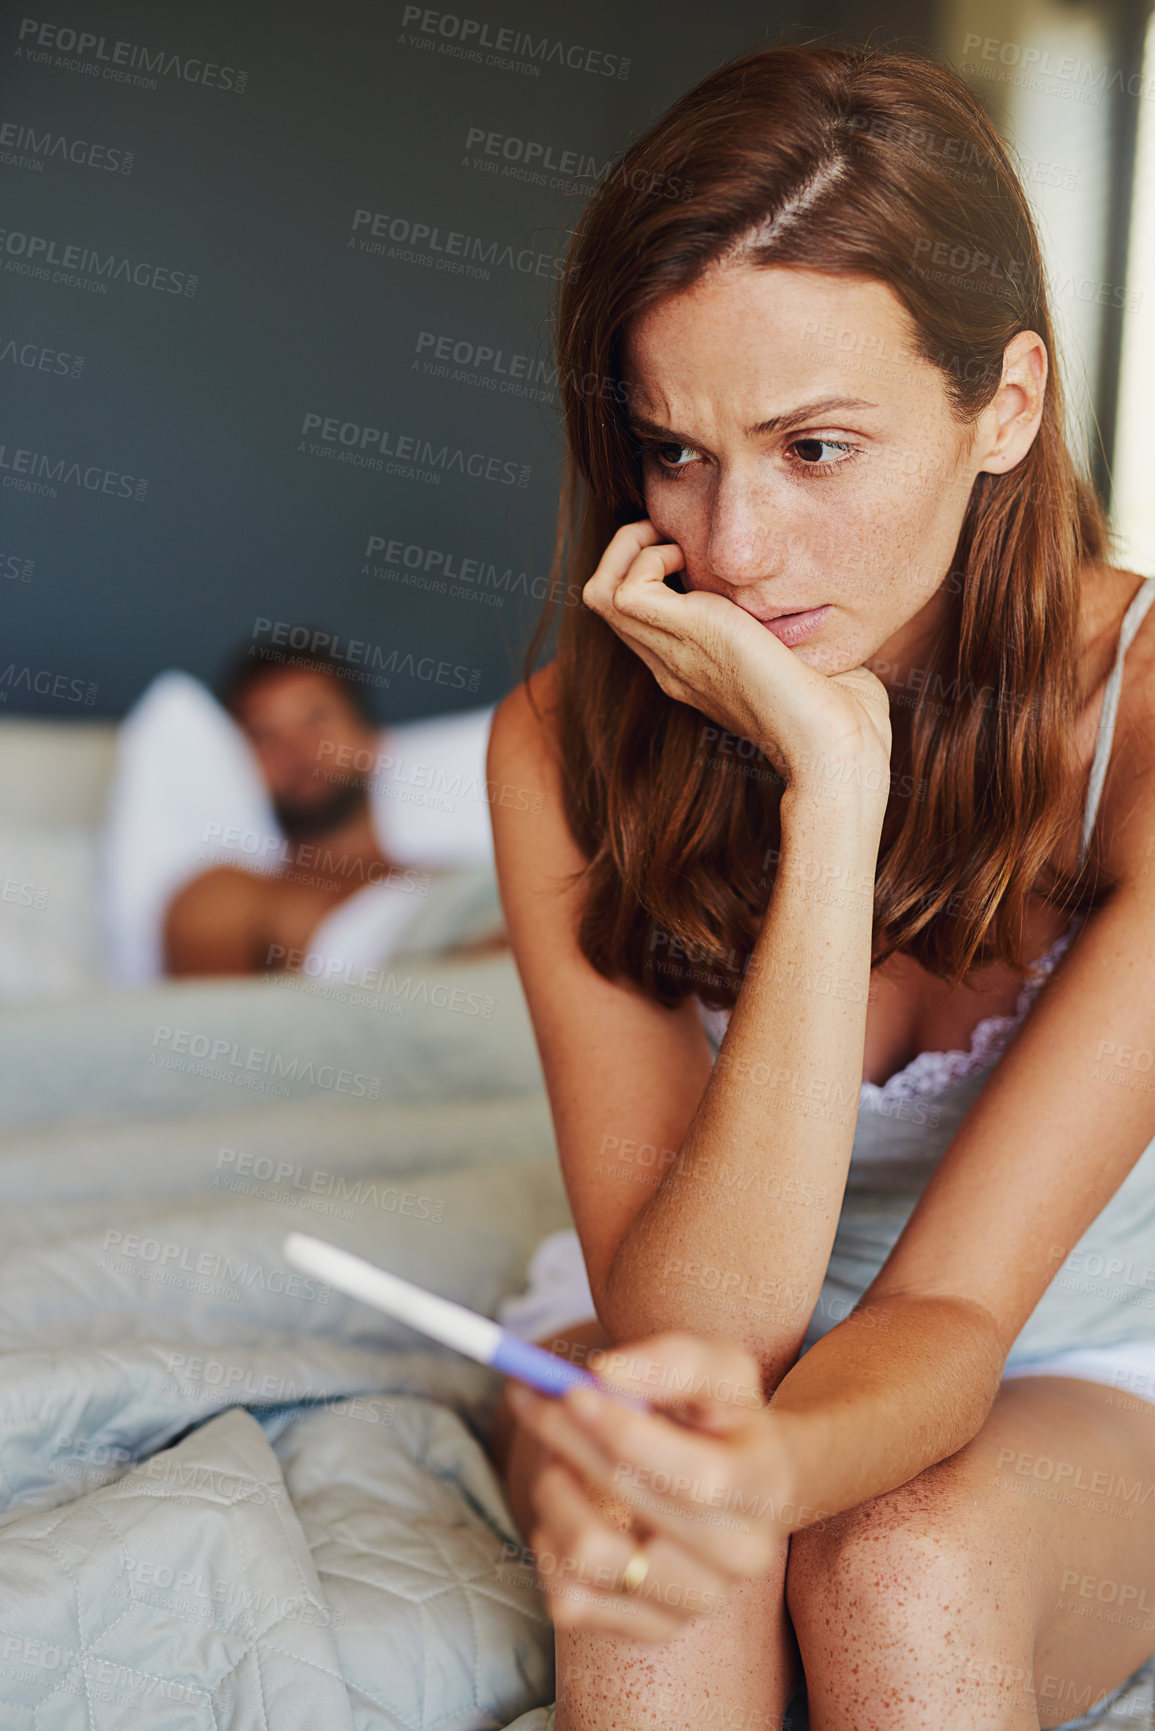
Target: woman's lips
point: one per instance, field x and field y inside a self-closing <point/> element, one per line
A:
<point x="792" y="628"/>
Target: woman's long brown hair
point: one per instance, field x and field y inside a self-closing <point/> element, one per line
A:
<point x="877" y="162"/>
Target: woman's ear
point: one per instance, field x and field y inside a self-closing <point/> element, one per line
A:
<point x="1012" y="417"/>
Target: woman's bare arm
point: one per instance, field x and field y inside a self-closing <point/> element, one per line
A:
<point x="706" y="1198"/>
<point x="623" y="1074"/>
<point x="736" y="1238"/>
<point x="909" y="1377"/>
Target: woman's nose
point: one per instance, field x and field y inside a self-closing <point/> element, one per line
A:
<point x="744" y="533"/>
<point x="740" y="550"/>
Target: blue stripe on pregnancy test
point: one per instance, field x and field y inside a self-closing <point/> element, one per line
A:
<point x="478" y="1337"/>
<point x="550" y="1374"/>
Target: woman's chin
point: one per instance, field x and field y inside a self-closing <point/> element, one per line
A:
<point x="823" y="658"/>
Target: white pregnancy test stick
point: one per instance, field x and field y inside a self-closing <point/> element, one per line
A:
<point x="441" y="1319"/>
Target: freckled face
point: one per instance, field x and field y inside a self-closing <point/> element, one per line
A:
<point x="855" y="506"/>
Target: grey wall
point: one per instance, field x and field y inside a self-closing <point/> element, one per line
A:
<point x="194" y="319"/>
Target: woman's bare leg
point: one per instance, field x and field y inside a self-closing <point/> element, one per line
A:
<point x="734" y="1669"/>
<point x="1009" y="1586"/>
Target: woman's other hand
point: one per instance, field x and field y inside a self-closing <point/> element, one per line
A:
<point x="706" y="651"/>
<point x="710" y="1494"/>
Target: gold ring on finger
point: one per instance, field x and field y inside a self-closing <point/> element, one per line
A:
<point x="636" y="1570"/>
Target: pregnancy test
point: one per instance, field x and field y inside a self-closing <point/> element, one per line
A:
<point x="441" y="1319"/>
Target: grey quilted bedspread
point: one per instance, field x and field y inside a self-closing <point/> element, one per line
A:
<point x="231" y="1498"/>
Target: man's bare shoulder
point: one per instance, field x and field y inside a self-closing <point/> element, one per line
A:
<point x="210" y="922"/>
<point x="219" y="887"/>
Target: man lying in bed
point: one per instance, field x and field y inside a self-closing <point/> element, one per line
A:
<point x="300" y="717"/>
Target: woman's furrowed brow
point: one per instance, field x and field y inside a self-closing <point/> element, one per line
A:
<point x="775" y="424"/>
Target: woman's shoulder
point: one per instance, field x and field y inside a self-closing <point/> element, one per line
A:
<point x="537" y="693"/>
<point x="523" y="746"/>
<point x="1131" y="761"/>
<point x="1106" y="592"/>
<point x="526" y="715"/>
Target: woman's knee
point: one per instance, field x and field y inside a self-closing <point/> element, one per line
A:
<point x="911" y="1546"/>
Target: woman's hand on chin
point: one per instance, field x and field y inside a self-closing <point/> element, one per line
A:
<point x="709" y="1495"/>
<point x="707" y="651"/>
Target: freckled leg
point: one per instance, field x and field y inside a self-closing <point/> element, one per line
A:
<point x="734" y="1669"/>
<point x="956" y="1602"/>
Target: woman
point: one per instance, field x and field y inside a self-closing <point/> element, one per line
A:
<point x="859" y="1232"/>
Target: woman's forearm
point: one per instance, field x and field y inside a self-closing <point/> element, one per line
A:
<point x="900" y="1384"/>
<point x="736" y="1238"/>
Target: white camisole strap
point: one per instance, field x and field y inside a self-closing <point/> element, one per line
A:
<point x="1132" y="620"/>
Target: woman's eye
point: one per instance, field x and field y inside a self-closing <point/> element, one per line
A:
<point x="678" y="450"/>
<point x="811" y="458"/>
<point x="812" y="452"/>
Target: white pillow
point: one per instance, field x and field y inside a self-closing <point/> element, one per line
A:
<point x="187" y="793"/>
<point x="186" y="784"/>
<point x="428" y="793"/>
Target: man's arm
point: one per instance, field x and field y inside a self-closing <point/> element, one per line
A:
<point x="213" y="924"/>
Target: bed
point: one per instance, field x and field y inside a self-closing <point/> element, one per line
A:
<point x="230" y="1497"/>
